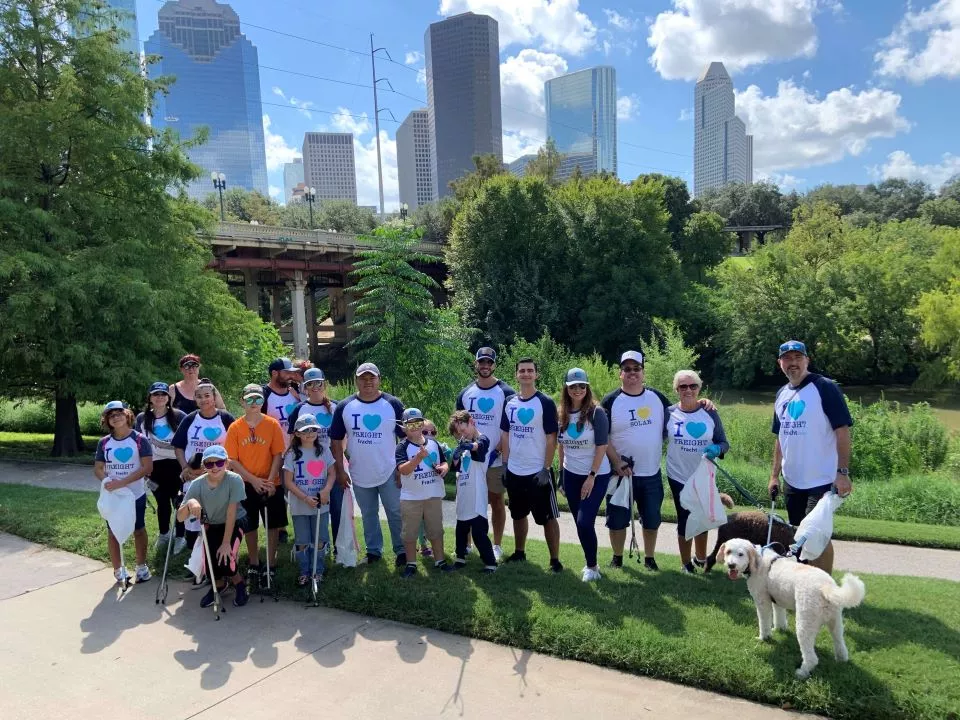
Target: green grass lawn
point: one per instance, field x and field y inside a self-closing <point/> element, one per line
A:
<point x="904" y="641"/>
<point x="36" y="446"/>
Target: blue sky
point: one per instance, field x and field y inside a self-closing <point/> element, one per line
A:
<point x="848" y="91"/>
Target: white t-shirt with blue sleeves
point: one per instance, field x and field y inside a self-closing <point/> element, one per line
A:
<point x="472" y="482"/>
<point x="371" y="430"/>
<point x="528" y="422"/>
<point x="580" y="444"/>
<point x="122" y="458"/>
<point x="323" y="415"/>
<point x="804" y="420"/>
<point x="638" y="427"/>
<point x="485" y="406"/>
<point x="688" y="436"/>
<point x="423" y="483"/>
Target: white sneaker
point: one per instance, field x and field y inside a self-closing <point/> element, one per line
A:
<point x="497" y="553"/>
<point x="163" y="539"/>
<point x="590" y="575"/>
<point x="469" y="549"/>
<point x="143" y="573"/>
<point x="121" y="575"/>
<point x="179" y="545"/>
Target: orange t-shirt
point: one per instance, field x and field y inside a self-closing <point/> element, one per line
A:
<point x="254" y="448"/>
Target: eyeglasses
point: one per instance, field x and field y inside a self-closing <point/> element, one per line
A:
<point x="631" y="368"/>
<point x="253" y="400"/>
<point x="414" y="425"/>
<point x="578" y="387"/>
<point x="690" y="386"/>
<point x="211" y="464"/>
<point x="115" y="413"/>
<point x="190" y="365"/>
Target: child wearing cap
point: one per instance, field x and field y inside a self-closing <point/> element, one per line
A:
<point x="422" y="468"/>
<point x="309" y="475"/>
<point x="219" y="494"/>
<point x="470" y="460"/>
<point x="124" y="458"/>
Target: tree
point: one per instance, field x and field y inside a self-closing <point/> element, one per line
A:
<point x="703" y="244"/>
<point x="748" y="205"/>
<point x="547" y="162"/>
<point x="676" y="200"/>
<point x="486" y="167"/>
<point x="102" y="274"/>
<point x="896" y="198"/>
<point x="435" y="220"/>
<point x="951" y="188"/>
<point x="938" y="309"/>
<point x="943" y="210"/>
<point x="244" y="206"/>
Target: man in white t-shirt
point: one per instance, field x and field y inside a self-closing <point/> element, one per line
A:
<point x="812" y="424"/>
<point x="366" y="426"/>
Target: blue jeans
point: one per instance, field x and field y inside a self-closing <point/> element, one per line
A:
<point x="306" y="542"/>
<point x="369" y="500"/>
<point x="585" y="511"/>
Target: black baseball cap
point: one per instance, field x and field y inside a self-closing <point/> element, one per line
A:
<point x="487" y="353"/>
<point x="280" y="364"/>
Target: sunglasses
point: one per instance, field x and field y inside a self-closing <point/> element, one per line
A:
<point x="190" y="365"/>
<point x="211" y="464"/>
<point x="313" y="384"/>
<point x="430" y="432"/>
<point x="577" y="386"/>
<point x="414" y="425"/>
<point x="632" y="368"/>
<point x="307" y="431"/>
<point x="686" y="386"/>
<point x="253" y="400"/>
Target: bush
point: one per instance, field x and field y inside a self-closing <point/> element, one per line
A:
<point x="748" y="432"/>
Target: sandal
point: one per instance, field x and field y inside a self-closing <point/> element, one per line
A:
<point x="303" y="580"/>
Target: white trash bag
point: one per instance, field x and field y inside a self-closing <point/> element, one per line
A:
<point x="618" y="491"/>
<point x="701" y="497"/>
<point x="119" y="508"/>
<point x="815" y="530"/>
<point x="347" y="546"/>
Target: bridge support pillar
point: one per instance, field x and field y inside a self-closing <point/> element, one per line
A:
<point x="297" y="303"/>
<point x="251" y="290"/>
<point x="312" y="323"/>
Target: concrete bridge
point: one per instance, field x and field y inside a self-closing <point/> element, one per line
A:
<point x="746" y="233"/>
<point x="269" y="262"/>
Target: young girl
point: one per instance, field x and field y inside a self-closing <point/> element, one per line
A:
<point x="124" y="458"/>
<point x="309" y="475"/>
<point x="159" y="422"/>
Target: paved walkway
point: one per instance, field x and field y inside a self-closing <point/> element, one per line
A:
<point x="69" y="643"/>
<point x="863" y="557"/>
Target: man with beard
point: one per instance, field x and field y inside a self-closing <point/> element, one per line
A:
<point x="812" y="424"/>
<point x="279" y="400"/>
<point x="484" y="400"/>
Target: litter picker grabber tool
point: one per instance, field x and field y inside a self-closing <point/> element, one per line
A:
<point x="124" y="575"/>
<point x="314" y="579"/>
<point x="217" y="602"/>
<point x="633" y="522"/>
<point x="163" y="587"/>
<point x="266" y="529"/>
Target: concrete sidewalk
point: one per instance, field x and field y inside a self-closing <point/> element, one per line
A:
<point x="72" y="647"/>
<point x="850" y="556"/>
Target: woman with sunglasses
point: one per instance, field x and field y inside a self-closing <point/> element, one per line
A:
<point x="582" y="444"/>
<point x="159" y="422"/>
<point x="692" y="432"/>
<point x="182" y="392"/>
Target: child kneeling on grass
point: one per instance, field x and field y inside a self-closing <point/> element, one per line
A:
<point x="422" y="468"/>
<point x="470" y="460"/>
<point x="218" y="493"/>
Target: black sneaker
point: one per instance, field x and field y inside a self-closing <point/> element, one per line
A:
<point x="489" y="569"/>
<point x="617" y="561"/>
<point x="518" y="556"/>
<point x="556" y="566"/>
<point x="372" y="558"/>
<point x="444" y="566"/>
<point x="689" y="569"/>
<point x="650" y="564"/>
<point x="253" y="577"/>
<point x="240" y="599"/>
<point x="207" y="600"/>
<point x="699" y="563"/>
<point x="401" y="560"/>
<point x="283" y="537"/>
<point x="409" y="571"/>
<point x="459" y="563"/>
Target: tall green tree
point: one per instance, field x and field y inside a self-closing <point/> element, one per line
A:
<point x="702" y="245"/>
<point x="102" y="275"/>
<point x="241" y="205"/>
<point x="435" y="220"/>
<point x="938" y="309"/>
<point x="486" y="167"/>
<point x="547" y="162"/>
<point x="943" y="210"/>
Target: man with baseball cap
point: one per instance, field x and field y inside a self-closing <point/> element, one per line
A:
<point x="812" y="424"/>
<point x="279" y="398"/>
<point x="366" y="427"/>
<point x="484" y="399"/>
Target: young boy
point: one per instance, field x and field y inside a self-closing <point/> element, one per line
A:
<point x="470" y="459"/>
<point x="219" y="494"/>
<point x="422" y="468"/>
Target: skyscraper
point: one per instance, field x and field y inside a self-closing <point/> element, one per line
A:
<point x="292" y="176"/>
<point x="518" y="167"/>
<point x="582" y="120"/>
<point x="128" y="23"/>
<point x="328" y="165"/>
<point x="414" y="164"/>
<point x="217" y="86"/>
<point x="463" y="95"/>
<point x="722" y="150"/>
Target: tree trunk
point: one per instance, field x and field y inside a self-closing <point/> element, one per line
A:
<point x="67" y="439"/>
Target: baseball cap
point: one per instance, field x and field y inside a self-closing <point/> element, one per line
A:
<point x="487" y="353"/>
<point x="252" y="390"/>
<point x="159" y="387"/>
<point x="368" y="368"/>
<point x="114" y="405"/>
<point x="411" y="414"/>
<point x="306" y="422"/>
<point x="576" y="376"/>
<point x="634" y="355"/>
<point x="214" y="452"/>
<point x="312" y="375"/>
<point x="792" y="346"/>
<point x="280" y="363"/>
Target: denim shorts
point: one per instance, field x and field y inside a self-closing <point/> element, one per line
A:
<point x="648" y="496"/>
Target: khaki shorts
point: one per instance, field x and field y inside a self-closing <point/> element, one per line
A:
<point x="430" y="512"/>
<point x="495" y="480"/>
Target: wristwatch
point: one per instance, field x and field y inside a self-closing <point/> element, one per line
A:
<point x="843" y="471"/>
<point x="592" y="473"/>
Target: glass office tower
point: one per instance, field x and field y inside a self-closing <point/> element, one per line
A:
<point x="217" y="86"/>
<point x="128" y="23"/>
<point x="582" y="120"/>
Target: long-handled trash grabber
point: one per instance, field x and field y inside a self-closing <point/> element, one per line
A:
<point x="124" y="575"/>
<point x="266" y="528"/>
<point x="162" y="588"/>
<point x="314" y="579"/>
<point x="633" y="523"/>
<point x="217" y="604"/>
<point x="773" y="504"/>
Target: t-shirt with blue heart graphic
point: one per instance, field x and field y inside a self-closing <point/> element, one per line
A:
<point x="323" y="415"/>
<point x="310" y="475"/>
<point x="804" y="420"/>
<point x="161" y="435"/>
<point x="423" y="483"/>
<point x="688" y="435"/>
<point x="196" y="433"/>
<point x="580" y="445"/>
<point x="122" y="458"/>
<point x="485" y="406"/>
<point x="528" y="422"/>
<point x="279" y="406"/>
<point x="371" y="430"/>
<point x="472" y="482"/>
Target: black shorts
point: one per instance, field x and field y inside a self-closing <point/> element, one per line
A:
<point x="215" y="538"/>
<point x="801" y="502"/>
<point x="526" y="496"/>
<point x="275" y="507"/>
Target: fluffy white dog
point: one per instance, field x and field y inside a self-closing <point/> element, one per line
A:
<point x="786" y="584"/>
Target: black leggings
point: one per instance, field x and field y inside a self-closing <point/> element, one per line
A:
<point x="166" y="474"/>
<point x="478" y="528"/>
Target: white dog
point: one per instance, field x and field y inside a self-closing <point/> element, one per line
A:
<point x="786" y="584"/>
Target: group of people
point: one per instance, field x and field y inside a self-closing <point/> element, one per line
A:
<point x="295" y="448"/>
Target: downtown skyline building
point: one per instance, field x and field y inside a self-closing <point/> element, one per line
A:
<point x="722" y="149"/>
<point x="128" y="23"/>
<point x="292" y="176"/>
<point x="217" y="86"/>
<point x="581" y="109"/>
<point x="463" y="95"/>
<point x="329" y="166"/>
<point x="414" y="161"/>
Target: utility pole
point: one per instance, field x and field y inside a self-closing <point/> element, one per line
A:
<point x="376" y="120"/>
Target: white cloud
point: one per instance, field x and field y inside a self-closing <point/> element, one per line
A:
<point x="899" y="164"/>
<point x="554" y="25"/>
<point x="785" y="181"/>
<point x="739" y="33"/>
<point x="935" y="54"/>
<point x="302" y="105"/>
<point x="278" y="152"/>
<point x="796" y="128"/>
<point x="345" y="121"/>
<point x="275" y="192"/>
<point x="422" y="77"/>
<point x="521" y="89"/>
<point x="413" y="57"/>
<point x="615" y="19"/>
<point x="365" y="158"/>
<point x="686" y="115"/>
<point x="517" y="144"/>
<point x="627" y="106"/>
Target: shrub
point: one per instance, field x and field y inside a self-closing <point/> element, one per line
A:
<point x="921" y="429"/>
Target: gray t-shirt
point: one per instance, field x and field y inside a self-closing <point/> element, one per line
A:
<point x="214" y="500"/>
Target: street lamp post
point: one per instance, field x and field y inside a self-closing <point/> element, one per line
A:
<point x="310" y="195"/>
<point x="404" y="208"/>
<point x="220" y="183"/>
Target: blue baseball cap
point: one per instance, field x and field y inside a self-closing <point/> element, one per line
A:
<point x="792" y="346"/>
<point x="306" y="422"/>
<point x="313" y="375"/>
<point x="411" y="414"/>
<point x="576" y="376"/>
<point x="159" y="387"/>
<point x="214" y="452"/>
<point x="487" y="353"/>
<point x="114" y="405"/>
<point x="280" y="364"/>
